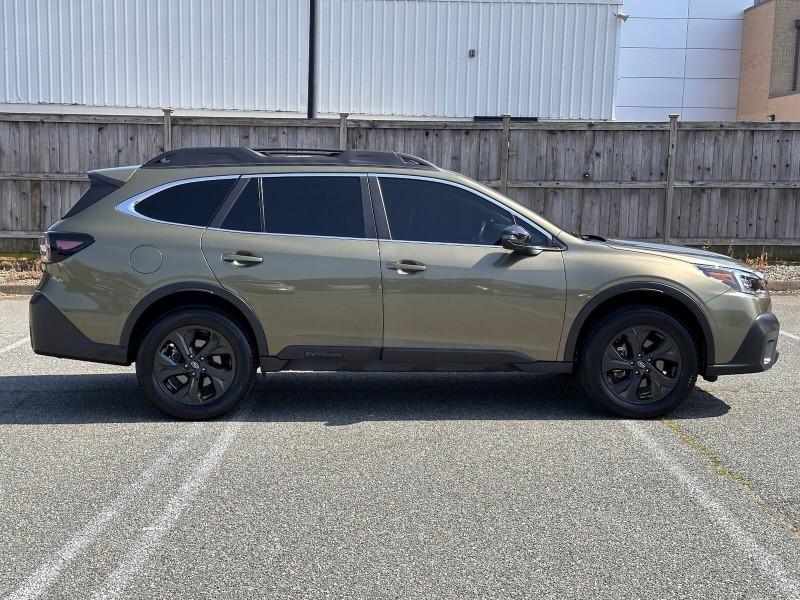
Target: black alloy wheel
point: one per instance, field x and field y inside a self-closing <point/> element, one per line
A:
<point x="639" y="361"/>
<point x="642" y="364"/>
<point x="196" y="362"/>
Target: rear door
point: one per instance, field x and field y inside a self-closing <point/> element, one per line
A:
<point x="301" y="250"/>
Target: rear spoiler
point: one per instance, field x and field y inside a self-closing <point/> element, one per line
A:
<point x="102" y="183"/>
<point x="115" y="176"/>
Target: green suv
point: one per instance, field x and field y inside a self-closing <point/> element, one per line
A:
<point x="205" y="264"/>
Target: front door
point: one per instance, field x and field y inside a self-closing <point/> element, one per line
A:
<point x="448" y="284"/>
<point x="300" y="250"/>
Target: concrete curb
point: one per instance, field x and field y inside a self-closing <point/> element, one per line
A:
<point x="17" y="289"/>
<point x="783" y="286"/>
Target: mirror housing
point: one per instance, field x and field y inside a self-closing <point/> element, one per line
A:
<point x="518" y="240"/>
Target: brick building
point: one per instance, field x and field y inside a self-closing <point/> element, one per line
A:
<point x="769" y="82"/>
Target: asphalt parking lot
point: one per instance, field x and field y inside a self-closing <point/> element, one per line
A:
<point x="432" y="485"/>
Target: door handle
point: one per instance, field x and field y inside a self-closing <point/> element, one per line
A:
<point x="241" y="260"/>
<point x="407" y="266"/>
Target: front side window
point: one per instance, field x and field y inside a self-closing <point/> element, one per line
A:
<point x="192" y="203"/>
<point x="428" y="211"/>
<point x="314" y="205"/>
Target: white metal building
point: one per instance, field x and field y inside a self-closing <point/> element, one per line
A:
<point x="442" y="58"/>
<point x="552" y="59"/>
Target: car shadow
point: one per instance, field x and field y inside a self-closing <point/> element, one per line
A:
<point x="335" y="399"/>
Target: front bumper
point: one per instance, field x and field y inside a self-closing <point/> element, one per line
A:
<point x="52" y="334"/>
<point x="758" y="352"/>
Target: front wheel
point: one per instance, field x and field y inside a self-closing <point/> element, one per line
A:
<point x="639" y="362"/>
<point x="195" y="363"/>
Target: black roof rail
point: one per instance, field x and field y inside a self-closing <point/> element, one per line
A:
<point x="224" y="156"/>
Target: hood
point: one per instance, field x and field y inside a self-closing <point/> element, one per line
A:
<point x="691" y="255"/>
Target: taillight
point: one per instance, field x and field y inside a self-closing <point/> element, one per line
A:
<point x="58" y="245"/>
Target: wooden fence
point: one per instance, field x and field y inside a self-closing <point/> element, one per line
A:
<point x="684" y="182"/>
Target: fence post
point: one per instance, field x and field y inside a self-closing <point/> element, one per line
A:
<point x="670" y="190"/>
<point x="343" y="130"/>
<point x="167" y="129"/>
<point x="505" y="139"/>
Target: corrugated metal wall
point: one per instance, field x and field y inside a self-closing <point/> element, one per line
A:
<point x="410" y="57"/>
<point x="237" y="54"/>
<point x="551" y="59"/>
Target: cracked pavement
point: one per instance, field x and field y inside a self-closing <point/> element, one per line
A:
<point x="395" y="485"/>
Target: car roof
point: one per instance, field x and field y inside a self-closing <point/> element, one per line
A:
<point x="284" y="157"/>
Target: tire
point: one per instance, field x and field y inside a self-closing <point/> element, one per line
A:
<point x="212" y="379"/>
<point x="638" y="362"/>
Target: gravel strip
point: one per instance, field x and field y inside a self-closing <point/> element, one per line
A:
<point x="783" y="272"/>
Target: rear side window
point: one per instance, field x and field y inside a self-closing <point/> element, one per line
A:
<point x="188" y="203"/>
<point x="314" y="205"/>
<point x="247" y="213"/>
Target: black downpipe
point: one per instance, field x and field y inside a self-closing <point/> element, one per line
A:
<point x="312" y="58"/>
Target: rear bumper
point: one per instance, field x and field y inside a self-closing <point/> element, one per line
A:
<point x="758" y="352"/>
<point x="52" y="334"/>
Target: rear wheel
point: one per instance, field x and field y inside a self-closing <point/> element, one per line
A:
<point x="639" y="362"/>
<point x="195" y="363"/>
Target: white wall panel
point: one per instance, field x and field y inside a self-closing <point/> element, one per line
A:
<point x="644" y="91"/>
<point x="711" y="63"/>
<point x="238" y="54"/>
<point x="655" y="9"/>
<point x="645" y="113"/>
<point x="550" y="59"/>
<point x="715" y="33"/>
<point x="717" y="9"/>
<point x="708" y="114"/>
<point x="651" y="62"/>
<point x="711" y="93"/>
<point x="653" y="33"/>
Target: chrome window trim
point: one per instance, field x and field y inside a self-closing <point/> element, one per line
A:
<point x="544" y="232"/>
<point x="301" y="235"/>
<point x="128" y="207"/>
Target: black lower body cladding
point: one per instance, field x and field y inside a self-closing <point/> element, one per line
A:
<point x="758" y="351"/>
<point x="52" y="334"/>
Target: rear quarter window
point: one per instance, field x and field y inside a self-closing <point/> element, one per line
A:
<point x="193" y="203"/>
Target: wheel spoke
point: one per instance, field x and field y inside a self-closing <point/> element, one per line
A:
<point x="212" y="346"/>
<point x="220" y="385"/>
<point x="613" y="360"/>
<point x="194" y="390"/>
<point x="183" y="344"/>
<point x="656" y="389"/>
<point x="633" y="389"/>
<point x="167" y="372"/>
<point x="662" y="379"/>
<point x="214" y="371"/>
<point x="636" y="338"/>
<point x="621" y="387"/>
<point x="664" y="351"/>
<point x="182" y="394"/>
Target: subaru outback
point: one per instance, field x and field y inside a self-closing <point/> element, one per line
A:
<point x="205" y="264"/>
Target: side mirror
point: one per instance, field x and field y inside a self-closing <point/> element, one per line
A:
<point x="517" y="239"/>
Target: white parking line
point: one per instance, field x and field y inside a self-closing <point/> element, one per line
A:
<point x="38" y="582"/>
<point x="791" y="336"/>
<point x="770" y="565"/>
<point x="16" y="344"/>
<point x="115" y="584"/>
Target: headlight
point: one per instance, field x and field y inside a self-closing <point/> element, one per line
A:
<point x="741" y="281"/>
